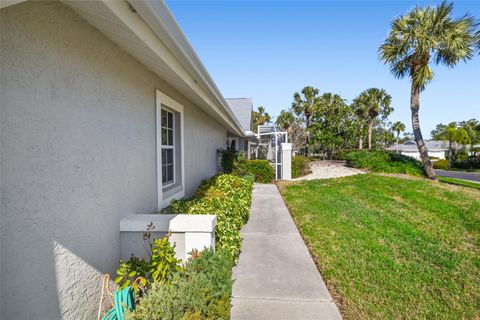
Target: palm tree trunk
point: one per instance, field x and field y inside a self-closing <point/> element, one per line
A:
<point x="422" y="149"/>
<point x="397" y="142"/>
<point x="370" y="129"/>
<point x="449" y="153"/>
<point x="360" y="139"/>
<point x="307" y="132"/>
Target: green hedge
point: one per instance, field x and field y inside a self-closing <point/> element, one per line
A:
<point x="468" y="163"/>
<point x="384" y="161"/>
<point x="228" y="197"/>
<point x="440" y="164"/>
<point x="300" y="166"/>
<point x="262" y="170"/>
<point x="201" y="291"/>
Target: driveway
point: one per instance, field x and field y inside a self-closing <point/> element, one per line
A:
<point x="470" y="176"/>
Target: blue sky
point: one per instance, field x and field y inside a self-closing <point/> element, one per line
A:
<point x="267" y="50"/>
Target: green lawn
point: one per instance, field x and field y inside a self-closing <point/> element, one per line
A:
<point x="391" y="247"/>
<point x="459" y="182"/>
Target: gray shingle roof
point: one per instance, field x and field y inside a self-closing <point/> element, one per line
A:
<point x="242" y="109"/>
<point x="432" y="145"/>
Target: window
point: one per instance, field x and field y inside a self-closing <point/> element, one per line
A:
<point x="170" y="158"/>
<point x="168" y="147"/>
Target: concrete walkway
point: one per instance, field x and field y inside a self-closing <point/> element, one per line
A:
<point x="275" y="277"/>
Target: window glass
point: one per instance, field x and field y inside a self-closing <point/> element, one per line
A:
<point x="168" y="147"/>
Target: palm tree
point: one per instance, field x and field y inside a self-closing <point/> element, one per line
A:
<point x="305" y="107"/>
<point x="260" y="117"/>
<point x="369" y="105"/>
<point x="285" y="120"/>
<point x="422" y="36"/>
<point x="398" y="127"/>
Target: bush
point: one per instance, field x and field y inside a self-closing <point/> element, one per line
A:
<point x="159" y="269"/>
<point x="261" y="169"/>
<point x="441" y="164"/>
<point x="201" y="291"/>
<point x="226" y="196"/>
<point x="468" y="163"/>
<point x="300" y="166"/>
<point x="384" y="161"/>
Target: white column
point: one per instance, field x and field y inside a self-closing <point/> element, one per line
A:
<point x="286" y="161"/>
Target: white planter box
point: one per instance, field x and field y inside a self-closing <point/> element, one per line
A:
<point x="188" y="233"/>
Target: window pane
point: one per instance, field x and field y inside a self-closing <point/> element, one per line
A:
<point x="170" y="172"/>
<point x="170" y="120"/>
<point x="164" y="118"/>
<point x="164" y="174"/>
<point x="170" y="137"/>
<point x="164" y="157"/>
<point x="164" y="137"/>
<point x="169" y="156"/>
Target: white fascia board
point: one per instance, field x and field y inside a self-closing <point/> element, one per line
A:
<point x="153" y="23"/>
<point x="8" y="3"/>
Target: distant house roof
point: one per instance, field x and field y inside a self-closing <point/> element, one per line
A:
<point x="242" y="109"/>
<point x="411" y="146"/>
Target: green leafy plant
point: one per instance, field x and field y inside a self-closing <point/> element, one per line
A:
<point x="383" y="161"/>
<point x="261" y="169"/>
<point x="300" y="166"/>
<point x="441" y="164"/>
<point x="228" y="197"/>
<point x="201" y="291"/>
<point x="159" y="269"/>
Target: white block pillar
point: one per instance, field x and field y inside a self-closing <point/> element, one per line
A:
<point x="286" y="161"/>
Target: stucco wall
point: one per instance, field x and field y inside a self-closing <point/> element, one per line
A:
<point x="77" y="154"/>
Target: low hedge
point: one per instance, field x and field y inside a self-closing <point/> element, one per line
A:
<point x="201" y="291"/>
<point x="468" y="163"/>
<point x="228" y="197"/>
<point x="384" y="161"/>
<point x="261" y="169"/>
<point x="441" y="164"/>
<point x="300" y="166"/>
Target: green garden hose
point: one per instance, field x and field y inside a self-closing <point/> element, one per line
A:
<point x="122" y="298"/>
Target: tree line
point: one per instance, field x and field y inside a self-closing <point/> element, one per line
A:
<point x="418" y="39"/>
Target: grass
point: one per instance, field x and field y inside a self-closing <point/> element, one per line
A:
<point x="459" y="182"/>
<point x="393" y="247"/>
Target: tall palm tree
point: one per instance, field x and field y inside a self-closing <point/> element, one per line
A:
<point x="285" y="120"/>
<point x="422" y="36"/>
<point x="305" y="107"/>
<point x="398" y="127"/>
<point x="260" y="117"/>
<point x="370" y="104"/>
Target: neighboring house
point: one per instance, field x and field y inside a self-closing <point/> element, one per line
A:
<point x="242" y="108"/>
<point x="436" y="148"/>
<point x="106" y="111"/>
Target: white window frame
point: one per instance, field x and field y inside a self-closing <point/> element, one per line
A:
<point x="168" y="102"/>
<point x="172" y="147"/>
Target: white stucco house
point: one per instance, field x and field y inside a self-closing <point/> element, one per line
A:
<point x="436" y="148"/>
<point x="242" y="108"/>
<point x="106" y="111"/>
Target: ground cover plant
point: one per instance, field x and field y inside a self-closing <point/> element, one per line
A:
<point x="201" y="291"/>
<point x="391" y="247"/>
<point x="384" y="161"/>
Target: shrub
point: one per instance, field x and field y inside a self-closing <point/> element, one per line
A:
<point x="441" y="164"/>
<point x="226" y="196"/>
<point x="261" y="169"/>
<point x="383" y="161"/>
<point x="468" y="163"/>
<point x="159" y="269"/>
<point x="300" y="166"/>
<point x="201" y="291"/>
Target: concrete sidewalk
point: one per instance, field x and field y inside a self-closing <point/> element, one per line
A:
<point x="275" y="277"/>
